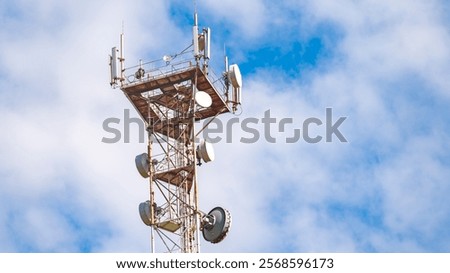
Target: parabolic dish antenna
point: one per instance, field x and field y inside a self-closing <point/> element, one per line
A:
<point x="235" y="76"/>
<point x="203" y="99"/>
<point x="142" y="164"/>
<point x="218" y="223"/>
<point x="205" y="151"/>
<point x="145" y="212"/>
<point x="167" y="58"/>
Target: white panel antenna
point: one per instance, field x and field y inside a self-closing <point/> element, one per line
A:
<point x="237" y="95"/>
<point x="207" y="37"/>
<point x="195" y="36"/>
<point x="201" y="41"/>
<point x="114" y="66"/>
<point x="116" y="63"/>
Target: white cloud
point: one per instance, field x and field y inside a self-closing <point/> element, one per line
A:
<point x="381" y="58"/>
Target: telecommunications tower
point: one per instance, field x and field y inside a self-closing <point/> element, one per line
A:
<point x="171" y="94"/>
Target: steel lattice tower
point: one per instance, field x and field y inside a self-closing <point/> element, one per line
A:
<point x="171" y="95"/>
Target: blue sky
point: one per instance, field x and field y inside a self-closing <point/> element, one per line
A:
<point x="384" y="65"/>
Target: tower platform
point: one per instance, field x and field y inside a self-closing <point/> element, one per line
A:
<point x="172" y="92"/>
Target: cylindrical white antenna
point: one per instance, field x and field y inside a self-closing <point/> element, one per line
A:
<point x="227" y="77"/>
<point x="113" y="66"/>
<point x="207" y="43"/>
<point x="225" y="58"/>
<point x="122" y="59"/>
<point x="226" y="65"/>
<point x="236" y="98"/>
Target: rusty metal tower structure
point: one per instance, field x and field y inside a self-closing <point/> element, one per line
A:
<point x="171" y="95"/>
